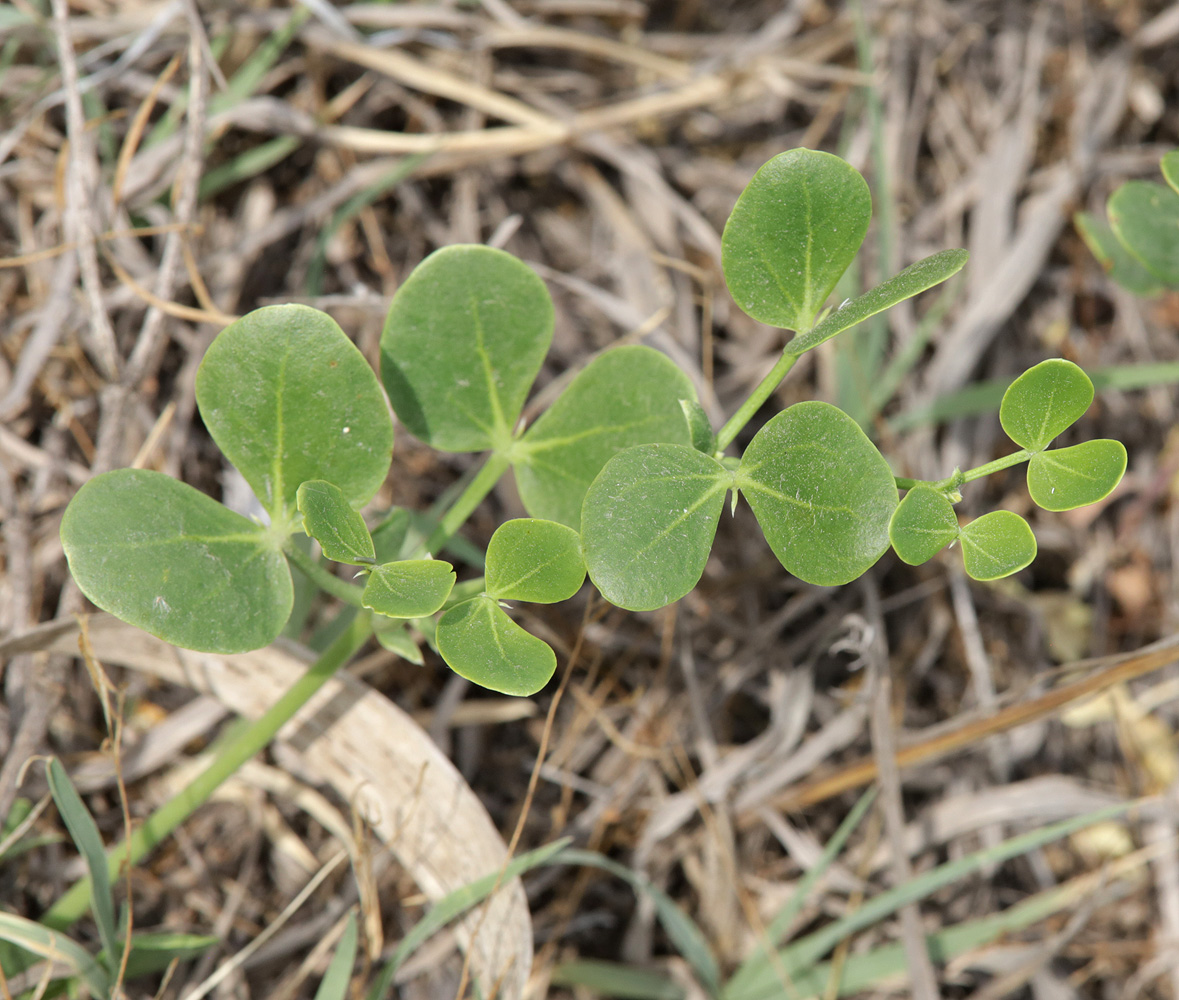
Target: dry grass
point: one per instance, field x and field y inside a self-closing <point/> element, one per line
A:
<point x="709" y="746"/>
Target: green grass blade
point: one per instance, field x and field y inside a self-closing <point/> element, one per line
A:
<point x="54" y="946"/>
<point x="249" y="164"/>
<point x="334" y="985"/>
<point x="153" y="951"/>
<point x="612" y="979"/>
<point x="84" y="832"/>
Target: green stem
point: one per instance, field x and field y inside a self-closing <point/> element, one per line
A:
<point x="322" y="577"/>
<point x="74" y="903"/>
<point x="485" y="479"/>
<point x="764" y="388"/>
<point x="958" y="478"/>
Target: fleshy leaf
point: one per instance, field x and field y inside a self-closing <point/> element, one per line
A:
<point x="480" y="642"/>
<point x="1066" y="478"/>
<point x="1044" y="401"/>
<point x="923" y="525"/>
<point x="164" y="557"/>
<point x="1145" y="217"/>
<point x="996" y="545"/>
<point x="464" y="339"/>
<point x="627" y="396"/>
<point x="1169" y="165"/>
<point x="822" y="493"/>
<point x="534" y="560"/>
<point x="410" y="588"/>
<point x="331" y="521"/>
<point x="648" y="523"/>
<point x="792" y="234"/>
<point x="1118" y="262"/>
<point x="911" y="281"/>
<point x="393" y="634"/>
<point x="288" y="398"/>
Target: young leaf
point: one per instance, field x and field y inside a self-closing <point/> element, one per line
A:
<point x="411" y="588"/>
<point x="1145" y="217"/>
<point x="533" y="560"/>
<point x="464" y="339"/>
<point x="1119" y="263"/>
<point x="393" y="634"/>
<point x="996" y="545"/>
<point x="627" y="396"/>
<point x="480" y="642"/>
<point x="288" y="398"/>
<point x="822" y="493"/>
<point x="648" y="523"/>
<point x="699" y="426"/>
<point x="1169" y="165"/>
<point x="1044" y="401"/>
<point x="923" y="525"/>
<point x="912" y="280"/>
<point x="792" y="234"/>
<point x="331" y="521"/>
<point x="1066" y="478"/>
<point x="166" y="558"/>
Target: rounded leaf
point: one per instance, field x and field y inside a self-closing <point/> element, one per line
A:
<point x="648" y="523"/>
<point x="822" y="493"/>
<point x="1043" y="401"/>
<point x="792" y="234"/>
<point x="533" y="560"/>
<point x="409" y="588"/>
<point x="463" y="341"/>
<point x="331" y="521"/>
<point x="480" y="642"/>
<point x="1145" y="217"/>
<point x="997" y="545"/>
<point x="394" y="635"/>
<point x="164" y="557"/>
<point x="288" y="398"/>
<point x="1122" y="266"/>
<point x="627" y="396"/>
<point x="1066" y="478"/>
<point x="923" y="525"/>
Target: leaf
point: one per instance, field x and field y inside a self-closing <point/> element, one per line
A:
<point x="337" y="978"/>
<point x="923" y="525"/>
<point x="166" y="558"/>
<point x="394" y="635"/>
<point x="822" y="493"/>
<point x="410" y="588"/>
<point x="1066" y="478"/>
<point x="480" y="642"/>
<point x="1043" y="401"/>
<point x="699" y="426"/>
<point x="1145" y="217"/>
<point x="911" y="281"/>
<point x="331" y="521"/>
<point x="534" y="560"/>
<point x="153" y="951"/>
<point x="1122" y="266"/>
<point x="996" y="545"/>
<point x="56" y="947"/>
<point x="1169" y="165"/>
<point x="289" y="398"/>
<point x="613" y="979"/>
<point x="84" y="833"/>
<point x="464" y="339"/>
<point x="648" y="523"/>
<point x="792" y="234"/>
<point x="627" y="396"/>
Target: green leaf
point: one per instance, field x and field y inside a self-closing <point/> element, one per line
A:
<point x="288" y="398"/>
<point x="166" y="558"/>
<point x="1145" y="217"/>
<point x="1169" y="165"/>
<point x="613" y="979"/>
<point x="1066" y="478"/>
<point x="394" y="635"/>
<point x="410" y="588"/>
<point x="84" y="833"/>
<point x="792" y="234"/>
<point x="648" y="523"/>
<point x="923" y="525"/>
<point x="1044" y="401"/>
<point x="480" y="642"/>
<point x="534" y="560"/>
<point x="996" y="545"/>
<point x="1118" y="262"/>
<point x="822" y="493"/>
<point x="337" y="978"/>
<point x="464" y="339"/>
<point x="627" y="396"/>
<point x="154" y="951"/>
<point x="912" y="280"/>
<point x="699" y="426"/>
<point x="331" y="521"/>
<point x="54" y="946"/>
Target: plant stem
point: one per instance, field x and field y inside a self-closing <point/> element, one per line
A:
<point x="958" y="478"/>
<point x="75" y="902"/>
<point x="764" y="388"/>
<point x="485" y="479"/>
<point x="322" y="578"/>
